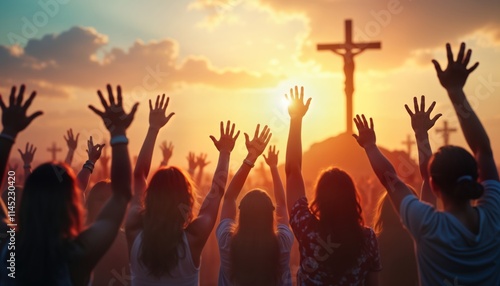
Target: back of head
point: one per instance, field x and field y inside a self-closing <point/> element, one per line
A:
<point x="337" y="206"/>
<point x="454" y="171"/>
<point x="254" y="246"/>
<point x="98" y="195"/>
<point x="167" y="211"/>
<point x="50" y="215"/>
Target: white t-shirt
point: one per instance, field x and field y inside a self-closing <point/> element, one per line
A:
<point x="184" y="274"/>
<point x="447" y="252"/>
<point x="225" y="233"/>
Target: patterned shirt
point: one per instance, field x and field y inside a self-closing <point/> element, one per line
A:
<point x="315" y="248"/>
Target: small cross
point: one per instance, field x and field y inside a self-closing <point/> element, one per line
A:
<point x="408" y="143"/>
<point x="54" y="149"/>
<point x="446" y="130"/>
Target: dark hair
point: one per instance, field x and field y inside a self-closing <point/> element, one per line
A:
<point x="167" y="211"/>
<point x="254" y="246"/>
<point x="454" y="171"/>
<point x="337" y="206"/>
<point x="50" y="215"/>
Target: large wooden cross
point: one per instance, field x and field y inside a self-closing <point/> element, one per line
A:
<point x="54" y="149"/>
<point x="408" y="143"/>
<point x="446" y="130"/>
<point x="348" y="50"/>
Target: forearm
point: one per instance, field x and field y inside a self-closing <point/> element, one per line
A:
<point x="237" y="182"/>
<point x="382" y="167"/>
<point x="146" y="154"/>
<point x="210" y="205"/>
<point x="69" y="157"/>
<point x="473" y="129"/>
<point x="294" y="145"/>
<point x="424" y="153"/>
<point x="83" y="179"/>
<point x="5" y="147"/>
<point x="27" y="171"/>
<point x="279" y="191"/>
<point x="121" y="173"/>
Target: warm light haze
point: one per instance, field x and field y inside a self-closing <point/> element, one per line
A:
<point x="235" y="60"/>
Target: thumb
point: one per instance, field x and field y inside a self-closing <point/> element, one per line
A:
<point x="213" y="140"/>
<point x="247" y="139"/>
<point x="355" y="136"/>
<point x="437" y="66"/>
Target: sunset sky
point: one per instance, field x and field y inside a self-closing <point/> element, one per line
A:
<point x="235" y="59"/>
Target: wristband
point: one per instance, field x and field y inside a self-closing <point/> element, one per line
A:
<point x="120" y="139"/>
<point x="89" y="167"/>
<point x="27" y="166"/>
<point x="7" y="137"/>
<point x="90" y="162"/>
<point x="249" y="163"/>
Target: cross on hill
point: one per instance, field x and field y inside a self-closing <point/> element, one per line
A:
<point x="54" y="149"/>
<point x="348" y="50"/>
<point x="446" y="130"/>
<point x="408" y="143"/>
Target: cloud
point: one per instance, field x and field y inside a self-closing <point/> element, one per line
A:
<point x="402" y="26"/>
<point x="76" y="59"/>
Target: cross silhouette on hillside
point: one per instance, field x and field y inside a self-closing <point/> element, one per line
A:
<point x="54" y="149"/>
<point x="408" y="143"/>
<point x="348" y="50"/>
<point x="446" y="130"/>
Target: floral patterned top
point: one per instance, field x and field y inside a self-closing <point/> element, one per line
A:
<point x="314" y="249"/>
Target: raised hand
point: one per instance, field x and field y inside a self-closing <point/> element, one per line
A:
<point x="456" y="73"/>
<point x="366" y="137"/>
<point x="167" y="151"/>
<point x="258" y="144"/>
<point x="94" y="151"/>
<point x="201" y="160"/>
<point x="114" y="117"/>
<point x="296" y="107"/>
<point x="14" y="118"/>
<point x="70" y="139"/>
<point x="28" y="155"/>
<point x="421" y="120"/>
<point x="191" y="158"/>
<point x="227" y="138"/>
<point x="272" y="156"/>
<point x="157" y="118"/>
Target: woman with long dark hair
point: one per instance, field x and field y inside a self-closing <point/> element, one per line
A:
<point x="253" y="251"/>
<point x="52" y="247"/>
<point x="165" y="240"/>
<point x="336" y="248"/>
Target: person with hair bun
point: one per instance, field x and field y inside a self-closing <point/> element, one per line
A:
<point x="459" y="245"/>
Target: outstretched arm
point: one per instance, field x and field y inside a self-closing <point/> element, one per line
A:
<point x="201" y="162"/>
<point x="14" y="120"/>
<point x="383" y="169"/>
<point x="279" y="191"/>
<point x="99" y="236"/>
<point x="295" y="188"/>
<point x="27" y="157"/>
<point x="255" y="149"/>
<point x="201" y="227"/>
<point x="421" y="123"/>
<point x="157" y="119"/>
<point x="72" y="143"/>
<point x="94" y="153"/>
<point x="453" y="79"/>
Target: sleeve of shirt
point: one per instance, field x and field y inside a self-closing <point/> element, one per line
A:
<point x="418" y="217"/>
<point x="224" y="233"/>
<point x="490" y="200"/>
<point x="300" y="218"/>
<point x="374" y="254"/>
<point x="285" y="237"/>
